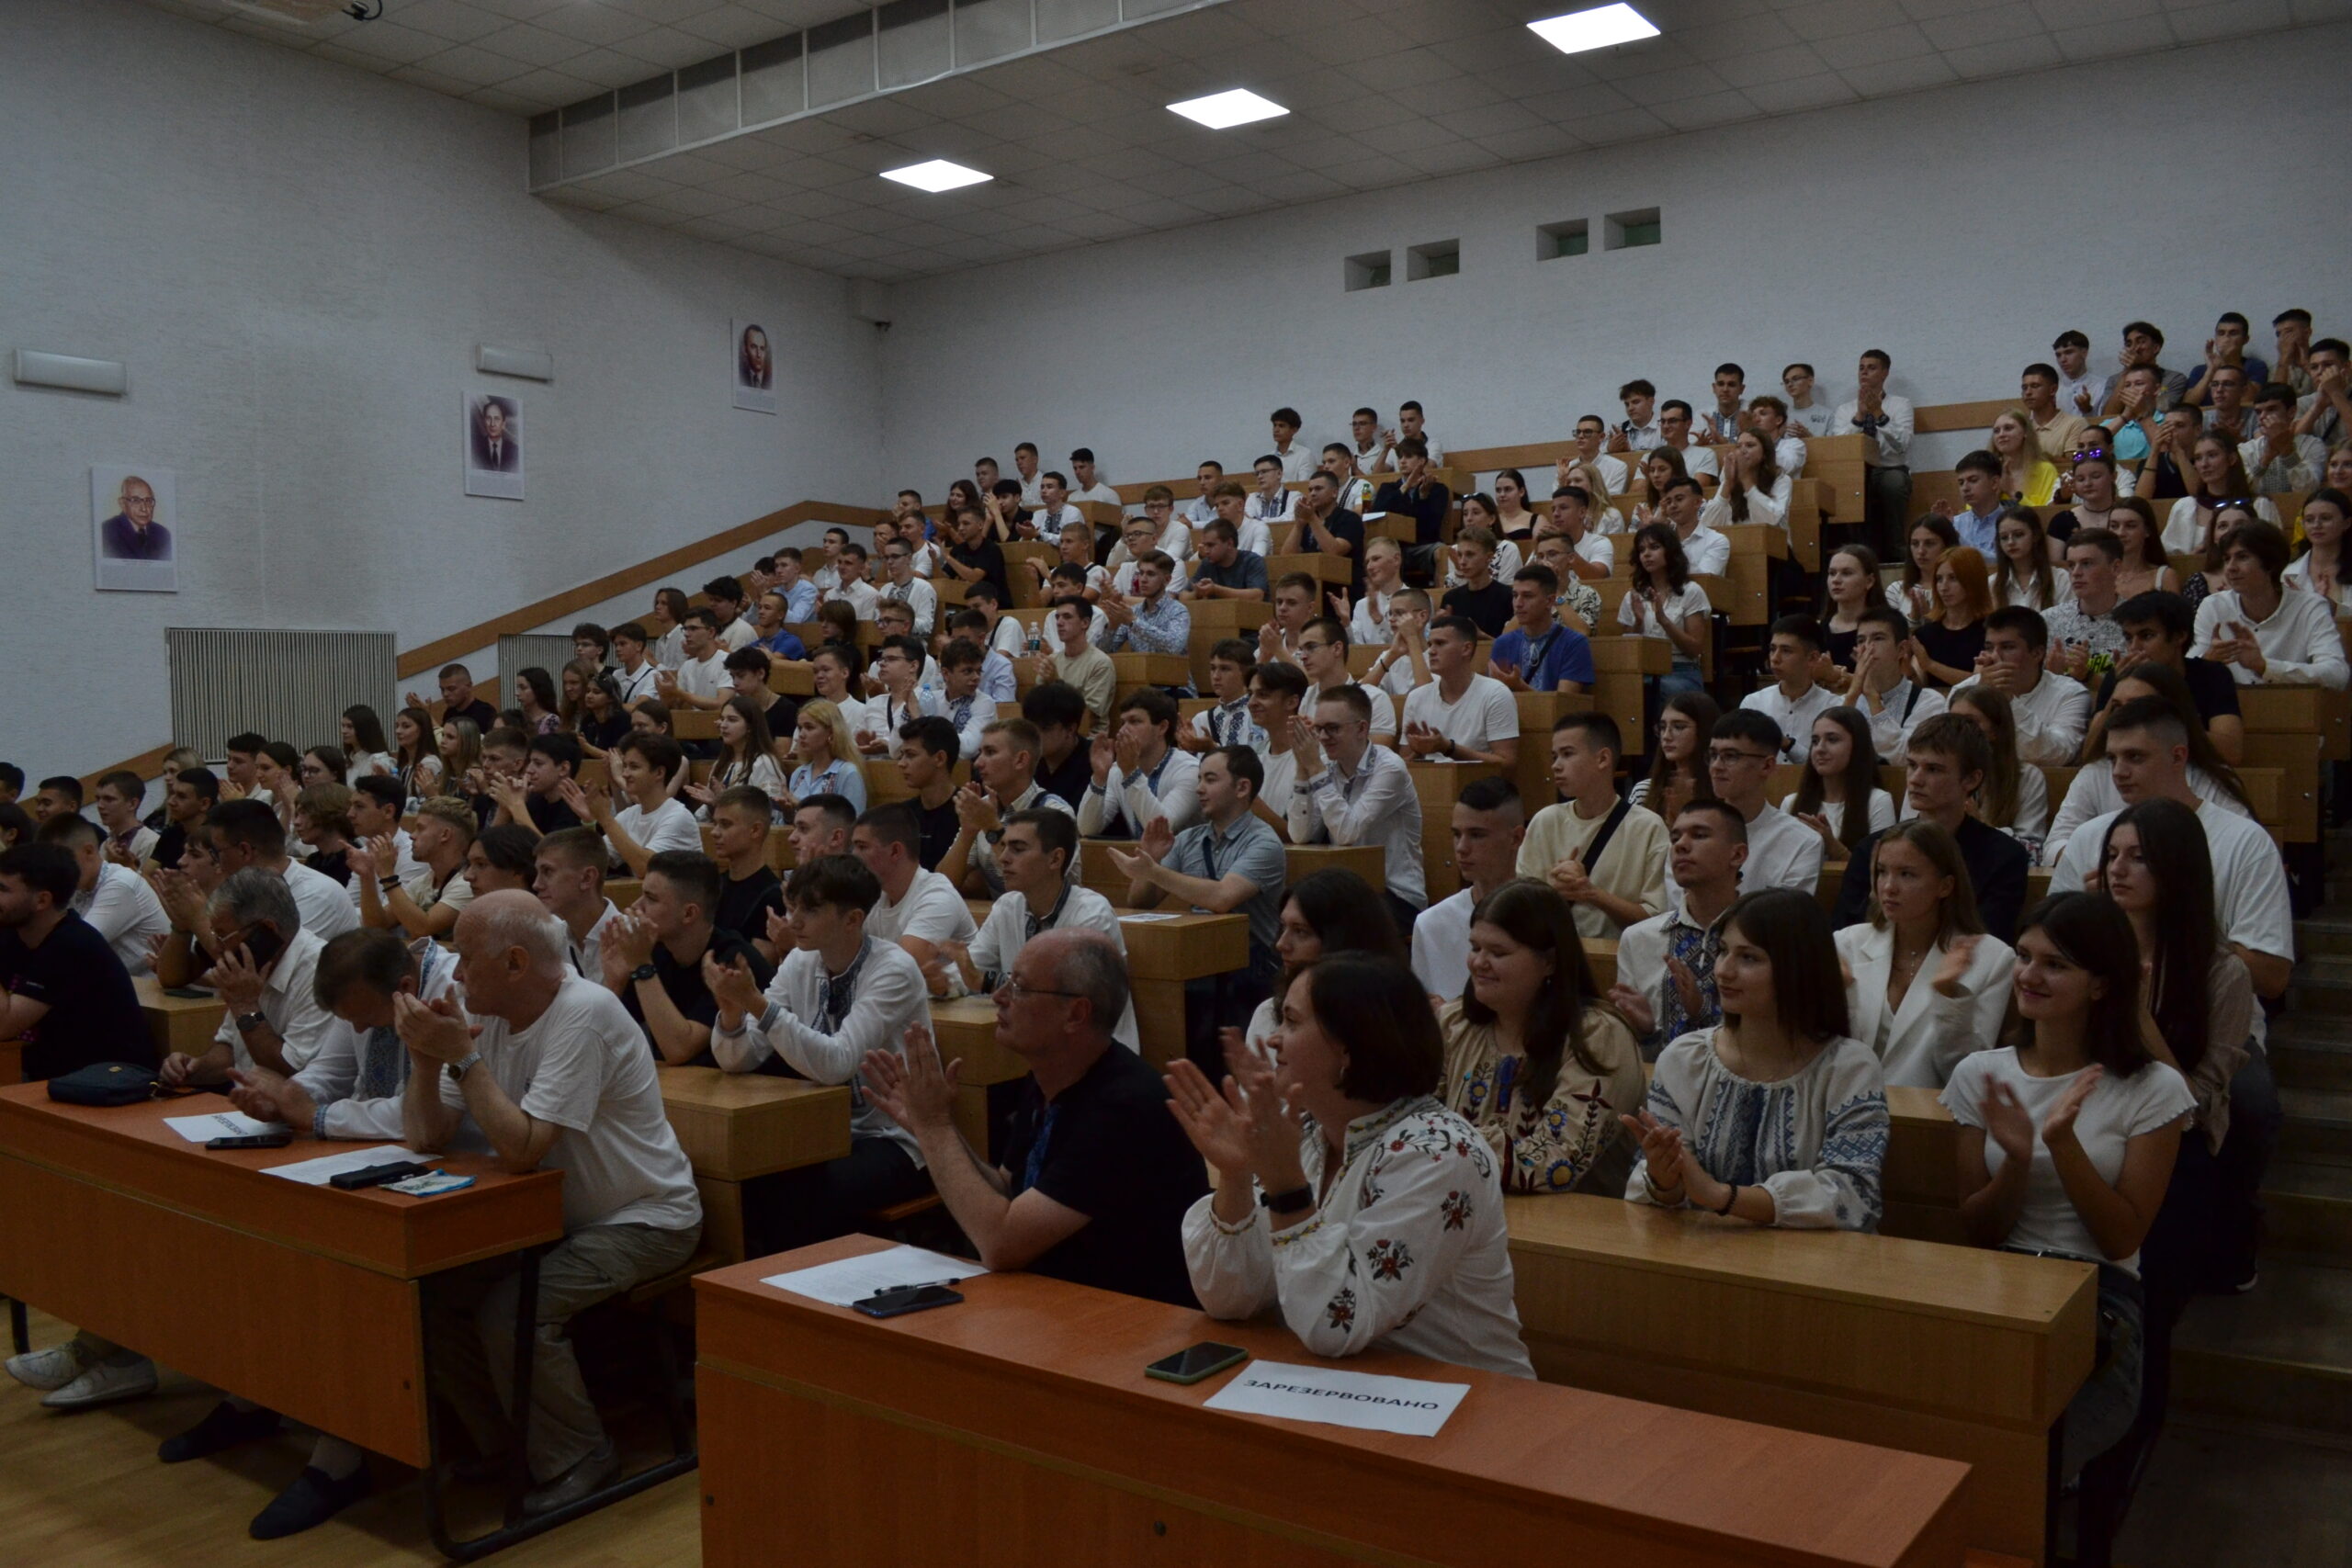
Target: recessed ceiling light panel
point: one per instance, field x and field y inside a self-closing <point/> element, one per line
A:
<point x="937" y="175"/>
<point x="1597" y="28"/>
<point x="1222" y="111"/>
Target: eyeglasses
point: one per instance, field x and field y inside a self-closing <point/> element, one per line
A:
<point x="1327" y="731"/>
<point x="1728" y="754"/>
<point x="1011" y="986"/>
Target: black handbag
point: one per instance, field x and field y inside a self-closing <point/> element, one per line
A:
<point x="106" y="1083"/>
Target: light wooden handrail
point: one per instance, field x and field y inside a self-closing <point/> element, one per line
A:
<point x="555" y="606"/>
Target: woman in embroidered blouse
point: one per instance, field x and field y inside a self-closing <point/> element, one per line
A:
<point x="828" y="758"/>
<point x="1382" y="1219"/>
<point x="1775" y="1116"/>
<point x="1533" y="1059"/>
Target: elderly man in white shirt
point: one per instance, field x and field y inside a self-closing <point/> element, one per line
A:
<point x="262" y="969"/>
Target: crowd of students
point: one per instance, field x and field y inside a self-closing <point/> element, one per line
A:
<point x="1382" y="1069"/>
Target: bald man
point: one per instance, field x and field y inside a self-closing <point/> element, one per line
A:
<point x="132" y="534"/>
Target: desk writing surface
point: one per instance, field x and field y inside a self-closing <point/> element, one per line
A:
<point x="178" y="1023"/>
<point x="1045" y="1379"/>
<point x="739" y="1125"/>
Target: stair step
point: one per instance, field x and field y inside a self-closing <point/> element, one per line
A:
<point x="2319" y="1124"/>
<point x="2322" y="985"/>
<point x="2310" y="1050"/>
<point x="2281" y="1353"/>
<point x="2307" y="1212"/>
<point x="2326" y="933"/>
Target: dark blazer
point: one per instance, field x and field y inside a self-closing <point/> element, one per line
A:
<point x="122" y="542"/>
<point x="510" y="454"/>
<point x="1997" y="866"/>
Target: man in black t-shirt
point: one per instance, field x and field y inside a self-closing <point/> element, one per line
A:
<point x="67" y="996"/>
<point x="191" y="793"/>
<point x="458" y="699"/>
<point x="749" y="890"/>
<point x="2157" y="629"/>
<point x="1096" y="1175"/>
<point x="927" y="752"/>
<point x="652" y="956"/>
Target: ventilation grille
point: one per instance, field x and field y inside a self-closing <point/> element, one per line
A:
<point x="287" y="685"/>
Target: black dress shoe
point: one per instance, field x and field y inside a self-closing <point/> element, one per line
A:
<point x="314" y="1498"/>
<point x="223" y="1426"/>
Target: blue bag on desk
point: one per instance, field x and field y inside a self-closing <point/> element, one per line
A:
<point x="105" y="1083"/>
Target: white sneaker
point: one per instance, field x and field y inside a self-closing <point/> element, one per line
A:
<point x="105" y="1383"/>
<point x="47" y="1370"/>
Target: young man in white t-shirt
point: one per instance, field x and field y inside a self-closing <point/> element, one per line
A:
<point x="1782" y="851"/>
<point x="1033" y="856"/>
<point x="1276" y="692"/>
<point x="642" y="766"/>
<point x="1460" y="715"/>
<point x="1086" y="481"/>
<point x="919" y="910"/>
<point x="1795" y="699"/>
<point x="559" y="1076"/>
<point x="1323" y="654"/>
<point x="701" y="680"/>
<point x="567" y="878"/>
<point x="1489" y="824"/>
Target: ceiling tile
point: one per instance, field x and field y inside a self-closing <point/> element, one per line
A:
<point x="1993" y="25"/>
<point x="1771" y="65"/>
<point x="1890" y="77"/>
<point x="1799" y="94"/>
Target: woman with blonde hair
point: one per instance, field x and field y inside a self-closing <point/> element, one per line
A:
<point x="1928" y="985"/>
<point x="1951" y="637"/>
<point x="2027" y="475"/>
<point x="828" y="754"/>
<point x="461" y="741"/>
<point x="1603" y="515"/>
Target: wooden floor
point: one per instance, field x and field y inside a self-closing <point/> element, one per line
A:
<point x="84" y="1491"/>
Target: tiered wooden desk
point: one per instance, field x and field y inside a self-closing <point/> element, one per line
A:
<point x="1019" y="1427"/>
<point x="737" y="1126"/>
<point x="1961" y="1352"/>
<point x="178" y="1023"/>
<point x="111" y="1221"/>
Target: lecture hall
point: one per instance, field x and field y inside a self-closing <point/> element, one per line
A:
<point x="1175" y="783"/>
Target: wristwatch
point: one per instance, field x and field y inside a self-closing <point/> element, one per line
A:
<point x="643" y="973"/>
<point x="464" y="1064"/>
<point x="249" y="1021"/>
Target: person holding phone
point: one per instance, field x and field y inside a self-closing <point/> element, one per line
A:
<point x="1376" y="1218"/>
<point x="1095" y="1175"/>
<point x="263" y="963"/>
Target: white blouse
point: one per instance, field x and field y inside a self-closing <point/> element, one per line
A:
<point x="2299" y="573"/>
<point x="2011" y="591"/>
<point x="1768" y="505"/>
<point x="2300" y="641"/>
<point x="1816" y="1141"/>
<point x="1634" y="611"/>
<point x="1408" y="1250"/>
<point x="2187" y="531"/>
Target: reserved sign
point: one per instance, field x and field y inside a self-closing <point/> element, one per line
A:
<point x="1366" y="1401"/>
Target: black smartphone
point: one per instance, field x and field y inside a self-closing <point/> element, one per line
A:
<point x="261" y="943"/>
<point x="907" y="1299"/>
<point x="252" y="1140"/>
<point x="188" y="993"/>
<point x="1194" y="1362"/>
<point x="377" y="1175"/>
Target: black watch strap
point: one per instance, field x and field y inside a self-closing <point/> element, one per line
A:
<point x="1290" y="1203"/>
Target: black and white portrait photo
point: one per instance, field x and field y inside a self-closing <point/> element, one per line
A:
<point x="493" y="446"/>
<point x="134" y="517"/>
<point x="755" y="368"/>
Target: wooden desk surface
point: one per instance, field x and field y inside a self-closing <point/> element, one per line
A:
<point x="1019" y="1427"/>
<point x="1367" y="860"/>
<point x="178" y="1023"/>
<point x="198" y="1258"/>
<point x="735" y="1126"/>
<point x="1962" y="1352"/>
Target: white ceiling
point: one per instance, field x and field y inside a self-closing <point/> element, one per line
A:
<point x="1383" y="93"/>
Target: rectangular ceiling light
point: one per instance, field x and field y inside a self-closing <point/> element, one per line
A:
<point x="937" y="175"/>
<point x="1595" y="29"/>
<point x="1222" y="111"/>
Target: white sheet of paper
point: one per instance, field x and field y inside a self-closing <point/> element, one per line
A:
<point x="318" y="1172"/>
<point x="855" y="1279"/>
<point x="1371" y="1402"/>
<point x="1144" y="919"/>
<point x="220" y="1124"/>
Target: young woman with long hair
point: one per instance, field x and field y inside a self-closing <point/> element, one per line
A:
<point x="1849" y="585"/>
<point x="1837" y="795"/>
<point x="1930" y="536"/>
<point x="2027" y="477"/>
<point x="1678" y="773"/>
<point x="1777" y="1115"/>
<point x="2014" y="798"/>
<point x="2068" y="1133"/>
<point x="1663" y="602"/>
<point x="1534" y="1059"/>
<point x="1953" y="634"/>
<point x="2145" y="568"/>
<point x="1324" y="912"/>
<point x="364" y="750"/>
<point x="746" y="757"/>
<point x="2221" y="481"/>
<point x="2021" y="575"/>
<point x="2319" y="569"/>
<point x="1513" y="521"/>
<point x="416" y="758"/>
<point x="1928" y="984"/>
<point x="1754" y="488"/>
<point x="535" y="698"/>
<point x="828" y="758"/>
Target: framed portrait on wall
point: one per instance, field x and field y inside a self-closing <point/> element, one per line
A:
<point x="755" y="368"/>
<point x="135" y="528"/>
<point x="493" y="446"/>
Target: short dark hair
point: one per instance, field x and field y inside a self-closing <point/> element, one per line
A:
<point x="693" y="873"/>
<point x="2275" y="392"/>
<point x="1886" y="616"/>
<point x="2047" y="372"/>
<point x="380" y="788"/>
<point x="1285" y="416"/>
<point x="589" y="631"/>
<point x="660" y="753"/>
<point x="1085" y="611"/>
<point x="45" y="868"/>
<point x="1155" y="705"/>
<point x="1244" y="765"/>
<point x="1056" y="831"/>
<point x="724" y="588"/>
<point x="2103" y="540"/>
<point x="1350" y="696"/>
<point x="1543" y="576"/>
<point x="835" y="809"/>
<point x="2148" y="330"/>
<point x="1808" y="983"/>
<point x="1049" y="703"/>
<point x="206" y="784"/>
<point x="2070" y="338"/>
<point x="961" y="654"/>
<point x="1881" y="356"/>
<point x="746" y="798"/>
<point x="11" y="776"/>
<point x="70" y="828"/>
<point x="632" y="631"/>
<point x="749" y="657"/>
<point x="838" y="882"/>
<point x="895" y="824"/>
<point x="1729" y="368"/>
<point x="1379" y="1008"/>
<point x="246" y="742"/>
<point x="562" y="750"/>
<point x="1955" y="736"/>
<point x="1724" y="810"/>
<point x="506" y="738"/>
<point x="1636" y="388"/>
<point x="2265" y="543"/>
<point x="1978" y="462"/>
<point x="2233" y="319"/>
<point x="1281" y="676"/>
<point x="509" y="847"/>
<point x="1746" y="724"/>
<point x="1461" y="625"/>
<point x="122" y="781"/>
<point x="250" y="824"/>
<point x="367" y="955"/>
<point x="1804" y="628"/>
<point x="1599" y="728"/>
<point x="935" y="735"/>
<point x="66" y="785"/>
<point x="700" y="616"/>
<point x="1490" y="795"/>
<point x="1236" y="651"/>
<point x="1673" y="405"/>
<point x="2027" y="623"/>
<point x="2169" y="613"/>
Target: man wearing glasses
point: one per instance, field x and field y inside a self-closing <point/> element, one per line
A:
<point x="1782" y="851"/>
<point x="1096" y="1175"/>
<point x="1323" y="654"/>
<point x="1353" y="791"/>
<point x="132" y="534"/>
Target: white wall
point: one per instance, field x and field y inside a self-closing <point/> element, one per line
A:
<point x="1959" y="230"/>
<point x="297" y="260"/>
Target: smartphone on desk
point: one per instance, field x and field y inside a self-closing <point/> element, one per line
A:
<point x="906" y="1299"/>
<point x="189" y="993"/>
<point x="278" y="1140"/>
<point x="1196" y="1362"/>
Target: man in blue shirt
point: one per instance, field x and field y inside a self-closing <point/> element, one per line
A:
<point x="1536" y="652"/>
<point x="1979" y="493"/>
